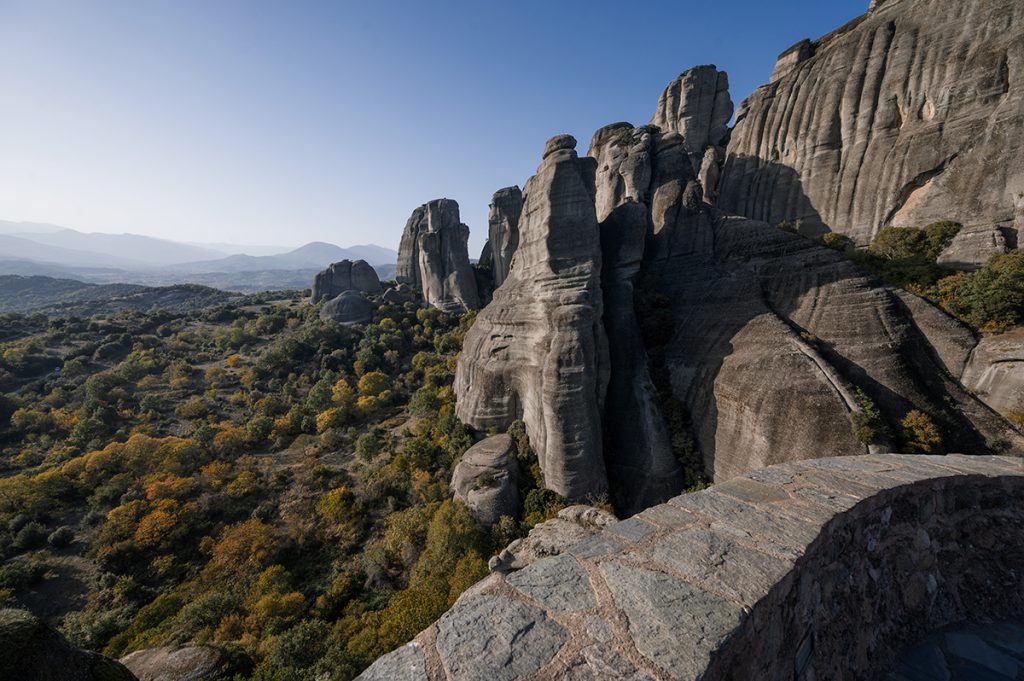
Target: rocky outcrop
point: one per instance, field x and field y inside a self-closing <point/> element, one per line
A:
<point x="503" y="231"/>
<point x="433" y="256"/>
<point x="345" y="276"/>
<point x="351" y="307"/>
<point x="769" y="329"/>
<point x="995" y="371"/>
<point x="538" y="352"/>
<point x="402" y="293"/>
<point x="184" y="663"/>
<point x="32" y="651"/>
<point x="760" y="328"/>
<point x="909" y="115"/>
<point x="642" y="468"/>
<point x="552" y="537"/>
<point x="486" y="479"/>
<point x="972" y="247"/>
<point x="697" y="107"/>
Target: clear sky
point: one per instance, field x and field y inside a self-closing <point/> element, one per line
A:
<point x="288" y="121"/>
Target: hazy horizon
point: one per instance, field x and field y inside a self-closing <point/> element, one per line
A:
<point x="260" y="123"/>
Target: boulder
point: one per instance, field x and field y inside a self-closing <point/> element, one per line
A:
<point x="184" y="663"/>
<point x="911" y="114"/>
<point x="539" y="352"/>
<point x="32" y="651"/>
<point x="402" y="293"/>
<point x="503" y="231"/>
<point x="486" y="479"/>
<point x="345" y="276"/>
<point x="351" y="307"/>
<point x="433" y="256"/>
<point x="995" y="371"/>
<point x="552" y="537"/>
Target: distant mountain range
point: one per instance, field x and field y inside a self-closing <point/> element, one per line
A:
<point x="35" y="249"/>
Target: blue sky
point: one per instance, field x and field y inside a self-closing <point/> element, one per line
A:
<point x="292" y="121"/>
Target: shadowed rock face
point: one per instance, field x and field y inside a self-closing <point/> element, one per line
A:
<point x="503" y="231"/>
<point x="345" y="276"/>
<point x="925" y="123"/>
<point x="642" y="468"/>
<point x="433" y="256"/>
<point x="539" y="352"/>
<point x="32" y="651"/>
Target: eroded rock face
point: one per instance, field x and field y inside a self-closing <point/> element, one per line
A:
<point x="770" y="329"/>
<point x="642" y="468"/>
<point x="762" y="328"/>
<point x="539" y="352"/>
<point x="345" y="276"/>
<point x="995" y="371"/>
<point x="486" y="479"/>
<point x="184" y="663"/>
<point x="972" y="247"/>
<point x="433" y="256"/>
<point x="697" y="106"/>
<point x="926" y="123"/>
<point x="503" y="231"/>
<point x="350" y="307"/>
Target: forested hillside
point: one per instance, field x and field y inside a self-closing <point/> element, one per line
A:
<point x="247" y="475"/>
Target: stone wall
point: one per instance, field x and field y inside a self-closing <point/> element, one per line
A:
<point x="820" y="569"/>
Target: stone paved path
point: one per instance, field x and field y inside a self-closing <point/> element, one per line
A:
<point x="818" y="569"/>
<point x="977" y="652"/>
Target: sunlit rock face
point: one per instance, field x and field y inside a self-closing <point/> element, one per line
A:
<point x="539" y="351"/>
<point x="911" y="114"/>
<point x="433" y="256"/>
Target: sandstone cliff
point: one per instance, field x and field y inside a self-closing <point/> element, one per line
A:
<point x="503" y="231"/>
<point x="539" y="352"/>
<point x="911" y="114"/>
<point x="433" y="256"/>
<point x="767" y="338"/>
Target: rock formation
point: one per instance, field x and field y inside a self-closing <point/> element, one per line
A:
<point x="911" y="114"/>
<point x="995" y="371"/>
<point x="402" y="293"/>
<point x="345" y="276"/>
<point x="433" y="257"/>
<point x="642" y="468"/>
<point x="486" y="479"/>
<point x="350" y="307"/>
<point x="972" y="247"/>
<point x="697" y="107"/>
<point x="552" y="537"/>
<point x="32" y="651"/>
<point x="503" y="231"/>
<point x="184" y="663"/>
<point x="538" y="352"/>
<point x="765" y="327"/>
